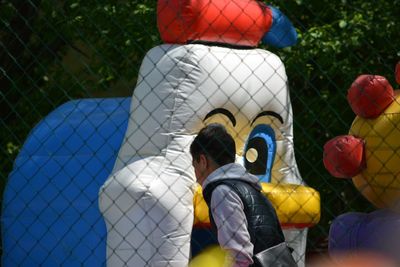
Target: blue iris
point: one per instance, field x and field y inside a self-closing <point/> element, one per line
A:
<point x="262" y="139"/>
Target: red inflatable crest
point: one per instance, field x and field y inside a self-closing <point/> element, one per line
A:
<point x="236" y="22"/>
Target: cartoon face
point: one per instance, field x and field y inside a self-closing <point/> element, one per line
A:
<point x="370" y="155"/>
<point x="246" y="91"/>
<point x="194" y="85"/>
<point x="256" y="141"/>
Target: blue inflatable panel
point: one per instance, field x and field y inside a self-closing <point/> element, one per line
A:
<point x="282" y="33"/>
<point x="50" y="206"/>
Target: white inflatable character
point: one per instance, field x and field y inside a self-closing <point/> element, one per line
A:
<point x="147" y="202"/>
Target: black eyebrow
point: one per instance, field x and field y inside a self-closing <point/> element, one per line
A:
<point x="268" y="113"/>
<point x="224" y="112"/>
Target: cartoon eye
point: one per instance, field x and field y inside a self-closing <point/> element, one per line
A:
<point x="260" y="151"/>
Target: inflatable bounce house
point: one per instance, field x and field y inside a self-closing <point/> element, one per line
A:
<point x="110" y="182"/>
<point x="370" y="156"/>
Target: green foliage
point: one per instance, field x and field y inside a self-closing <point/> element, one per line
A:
<point x="104" y="43"/>
<point x="66" y="50"/>
<point x="54" y="51"/>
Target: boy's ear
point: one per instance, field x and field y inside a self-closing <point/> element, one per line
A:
<point x="203" y="160"/>
<point x="206" y="164"/>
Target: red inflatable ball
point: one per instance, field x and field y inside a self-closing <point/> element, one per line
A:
<point x="344" y="156"/>
<point x="236" y="22"/>
<point x="398" y="72"/>
<point x="370" y="95"/>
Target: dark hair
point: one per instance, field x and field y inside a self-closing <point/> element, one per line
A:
<point x="215" y="142"/>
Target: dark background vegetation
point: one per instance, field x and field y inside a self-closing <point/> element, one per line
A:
<point x="52" y="51"/>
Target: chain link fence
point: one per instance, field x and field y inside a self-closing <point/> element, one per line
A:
<point x="68" y="72"/>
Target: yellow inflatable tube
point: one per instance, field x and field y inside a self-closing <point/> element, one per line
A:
<point x="297" y="206"/>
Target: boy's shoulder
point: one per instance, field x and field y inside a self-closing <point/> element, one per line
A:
<point x="237" y="185"/>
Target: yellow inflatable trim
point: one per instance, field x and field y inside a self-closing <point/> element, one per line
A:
<point x="297" y="206"/>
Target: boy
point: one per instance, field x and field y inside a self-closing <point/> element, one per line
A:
<point x="245" y="220"/>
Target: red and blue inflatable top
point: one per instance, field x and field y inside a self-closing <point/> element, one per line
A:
<point x="235" y="22"/>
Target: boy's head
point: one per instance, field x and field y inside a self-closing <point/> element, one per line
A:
<point x="212" y="148"/>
